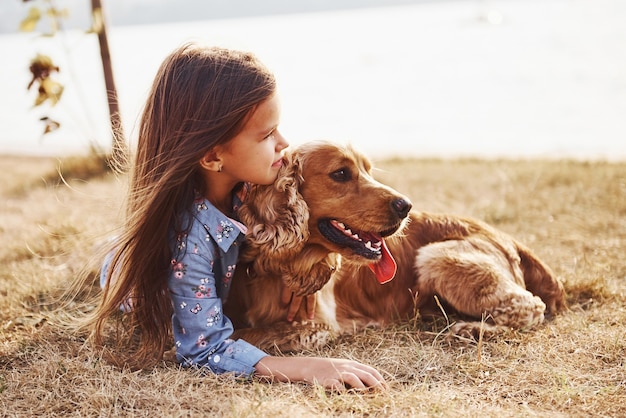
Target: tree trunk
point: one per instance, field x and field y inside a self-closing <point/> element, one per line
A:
<point x="118" y="152"/>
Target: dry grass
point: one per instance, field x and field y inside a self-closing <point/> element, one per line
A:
<point x="573" y="214"/>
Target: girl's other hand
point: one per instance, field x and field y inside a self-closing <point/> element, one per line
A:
<point x="289" y="298"/>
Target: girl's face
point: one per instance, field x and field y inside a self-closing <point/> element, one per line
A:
<point x="255" y="154"/>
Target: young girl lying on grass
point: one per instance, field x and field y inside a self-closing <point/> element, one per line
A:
<point x="209" y="127"/>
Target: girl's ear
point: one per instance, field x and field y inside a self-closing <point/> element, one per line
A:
<point x="277" y="218"/>
<point x="211" y="161"/>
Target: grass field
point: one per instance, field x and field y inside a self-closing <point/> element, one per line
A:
<point x="572" y="214"/>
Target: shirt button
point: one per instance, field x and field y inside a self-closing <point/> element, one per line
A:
<point x="217" y="358"/>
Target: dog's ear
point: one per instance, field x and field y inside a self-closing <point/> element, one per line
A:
<point x="276" y="216"/>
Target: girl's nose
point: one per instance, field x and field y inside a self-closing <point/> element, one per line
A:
<point x="282" y="142"/>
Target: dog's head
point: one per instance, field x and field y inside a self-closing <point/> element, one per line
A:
<point x="349" y="212"/>
<point x="324" y="201"/>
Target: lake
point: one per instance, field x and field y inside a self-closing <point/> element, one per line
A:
<point x="515" y="79"/>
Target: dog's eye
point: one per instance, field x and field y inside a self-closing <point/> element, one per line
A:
<point x="342" y="175"/>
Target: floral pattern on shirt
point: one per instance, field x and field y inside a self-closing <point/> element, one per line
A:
<point x="202" y="268"/>
<point x="178" y="269"/>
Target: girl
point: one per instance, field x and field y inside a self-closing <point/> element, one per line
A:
<point x="210" y="125"/>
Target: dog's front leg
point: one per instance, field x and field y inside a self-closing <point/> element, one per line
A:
<point x="285" y="337"/>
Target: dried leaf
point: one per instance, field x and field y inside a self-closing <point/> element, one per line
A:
<point x="52" y="90"/>
<point x="41" y="67"/>
<point x="41" y="97"/>
<point x="30" y="21"/>
<point x="50" y="125"/>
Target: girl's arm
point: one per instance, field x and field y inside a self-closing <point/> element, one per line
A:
<point x="335" y="374"/>
<point x="202" y="334"/>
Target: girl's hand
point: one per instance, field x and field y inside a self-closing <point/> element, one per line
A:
<point x="334" y="374"/>
<point x="288" y="297"/>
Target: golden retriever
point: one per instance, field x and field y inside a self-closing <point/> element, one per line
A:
<point x="327" y="224"/>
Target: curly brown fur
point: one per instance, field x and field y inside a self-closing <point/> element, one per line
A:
<point x="278" y="216"/>
<point x="485" y="276"/>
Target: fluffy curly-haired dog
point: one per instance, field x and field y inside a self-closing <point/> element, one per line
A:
<point x="327" y="224"/>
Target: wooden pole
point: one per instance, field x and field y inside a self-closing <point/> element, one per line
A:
<point x="119" y="141"/>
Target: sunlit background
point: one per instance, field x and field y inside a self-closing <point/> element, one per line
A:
<point x="443" y="78"/>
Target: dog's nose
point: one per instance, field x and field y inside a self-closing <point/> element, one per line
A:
<point x="401" y="207"/>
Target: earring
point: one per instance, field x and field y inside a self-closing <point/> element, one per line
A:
<point x="219" y="169"/>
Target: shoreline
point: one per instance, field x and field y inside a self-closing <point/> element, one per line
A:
<point x="7" y="158"/>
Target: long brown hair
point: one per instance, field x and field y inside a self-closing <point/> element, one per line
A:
<point x="201" y="97"/>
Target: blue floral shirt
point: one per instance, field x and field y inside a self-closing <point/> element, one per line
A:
<point x="202" y="267"/>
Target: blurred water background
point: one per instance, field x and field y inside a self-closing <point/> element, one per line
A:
<point x="441" y="78"/>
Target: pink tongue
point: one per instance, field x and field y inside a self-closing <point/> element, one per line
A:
<point x="385" y="269"/>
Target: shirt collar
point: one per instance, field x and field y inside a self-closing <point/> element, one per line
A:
<point x="224" y="230"/>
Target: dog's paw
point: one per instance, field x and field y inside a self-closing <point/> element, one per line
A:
<point x="312" y="335"/>
<point x="520" y="312"/>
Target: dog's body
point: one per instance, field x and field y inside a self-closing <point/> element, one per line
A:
<point x="327" y="221"/>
